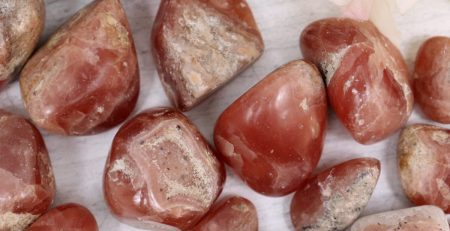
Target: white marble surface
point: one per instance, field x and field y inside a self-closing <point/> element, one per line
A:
<point x="78" y="161"/>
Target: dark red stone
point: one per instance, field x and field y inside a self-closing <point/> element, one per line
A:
<point x="432" y="79"/>
<point x="161" y="171"/>
<point x="85" y="79"/>
<point x="424" y="164"/>
<point x="199" y="45"/>
<point x="336" y="197"/>
<point x="272" y="136"/>
<point x="230" y="214"/>
<point x="67" y="217"/>
<point x="27" y="185"/>
<point x="367" y="78"/>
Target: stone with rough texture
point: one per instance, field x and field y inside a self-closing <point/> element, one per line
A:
<point x="161" y="171"/>
<point x="27" y="185"/>
<point x="424" y="163"/>
<point x="424" y="218"/>
<point x="199" y="45"/>
<point x="67" y="217"/>
<point x="335" y="198"/>
<point x="432" y="79"/>
<point x="365" y="74"/>
<point x="85" y="79"/>
<point x="231" y="214"/>
<point x="21" y="25"/>
<point x="272" y="136"/>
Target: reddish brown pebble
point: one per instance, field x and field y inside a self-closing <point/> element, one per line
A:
<point x="232" y="214"/>
<point x="424" y="159"/>
<point x="432" y="79"/>
<point x="161" y="171"/>
<point x="367" y="79"/>
<point x="335" y="198"/>
<point x="85" y="79"/>
<point x="21" y="25"/>
<point x="199" y="45"/>
<point x="27" y="185"/>
<point x="425" y="218"/>
<point x="67" y="217"/>
<point x="272" y="136"/>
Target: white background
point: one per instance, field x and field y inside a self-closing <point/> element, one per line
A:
<point x="78" y="161"/>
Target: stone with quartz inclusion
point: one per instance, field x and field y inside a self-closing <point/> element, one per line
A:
<point x="67" y="217"/>
<point x="335" y="198"/>
<point x="199" y="45"/>
<point x="272" y="136"/>
<point x="161" y="171"/>
<point x="230" y="214"/>
<point x="27" y="185"/>
<point x="367" y="79"/>
<point x="424" y="163"/>
<point x="85" y="79"/>
<point x="21" y="25"/>
<point x="424" y="218"/>
<point x="432" y="79"/>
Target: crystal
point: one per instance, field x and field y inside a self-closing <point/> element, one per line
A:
<point x="199" y="45"/>
<point x="85" y="79"/>
<point x="161" y="171"/>
<point x="272" y="136"/>
<point x="335" y="198"/>
<point x="367" y="79"/>
<point x="27" y="185"/>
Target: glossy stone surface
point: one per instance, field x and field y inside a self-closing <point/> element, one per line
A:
<point x="21" y="25"/>
<point x="365" y="74"/>
<point x="199" y="45"/>
<point x="161" y="170"/>
<point x="230" y="214"/>
<point x="335" y="198"/>
<point x="67" y="217"/>
<point x="272" y="136"/>
<point x="424" y="163"/>
<point x="432" y="79"/>
<point x="27" y="185"/>
<point x="424" y="218"/>
<point x="85" y="79"/>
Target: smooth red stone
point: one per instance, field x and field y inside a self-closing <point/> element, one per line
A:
<point x="231" y="214"/>
<point x="27" y="185"/>
<point x="335" y="198"/>
<point x="199" y="45"/>
<point x="272" y="136"/>
<point x="432" y="79"/>
<point x="22" y="23"/>
<point x="367" y="79"/>
<point x="161" y="171"/>
<point x="67" y="217"/>
<point x="85" y="79"/>
<point x="424" y="163"/>
<point x="425" y="218"/>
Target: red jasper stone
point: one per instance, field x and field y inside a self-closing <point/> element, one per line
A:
<point x="365" y="75"/>
<point x="71" y="217"/>
<point x="432" y="79"/>
<point x="85" y="79"/>
<point x="161" y="171"/>
<point x="199" y="45"/>
<point x="335" y="198"/>
<point x="22" y="23"/>
<point x="424" y="218"/>
<point x="272" y="136"/>
<point x="27" y="185"/>
<point x="424" y="163"/>
<point x="231" y="214"/>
